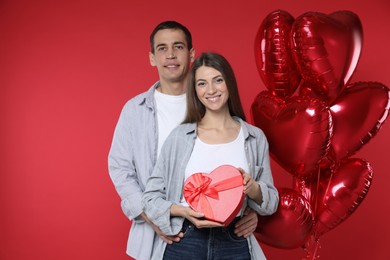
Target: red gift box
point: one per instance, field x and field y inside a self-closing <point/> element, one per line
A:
<point x="219" y="195"/>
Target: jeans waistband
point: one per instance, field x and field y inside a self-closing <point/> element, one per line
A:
<point x="231" y="225"/>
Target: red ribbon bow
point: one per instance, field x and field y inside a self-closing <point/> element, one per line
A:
<point x="198" y="189"/>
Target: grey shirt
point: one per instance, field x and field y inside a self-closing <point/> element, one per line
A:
<point x="165" y="186"/>
<point x="131" y="159"/>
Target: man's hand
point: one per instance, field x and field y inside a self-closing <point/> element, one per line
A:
<point x="247" y="224"/>
<point x="165" y="238"/>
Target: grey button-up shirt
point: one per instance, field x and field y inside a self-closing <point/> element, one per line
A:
<point x="165" y="186"/>
<point x="131" y="159"/>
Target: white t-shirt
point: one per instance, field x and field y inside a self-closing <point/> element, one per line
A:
<point x="171" y="111"/>
<point x="206" y="157"/>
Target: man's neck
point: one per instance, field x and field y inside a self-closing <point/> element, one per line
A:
<point x="174" y="89"/>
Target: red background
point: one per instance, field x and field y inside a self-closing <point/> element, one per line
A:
<point x="66" y="70"/>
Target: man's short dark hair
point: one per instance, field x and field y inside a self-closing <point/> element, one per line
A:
<point x="171" y="25"/>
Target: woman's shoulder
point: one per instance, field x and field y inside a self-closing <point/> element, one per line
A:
<point x="254" y="131"/>
<point x="182" y="131"/>
<point x="184" y="128"/>
<point x="180" y="136"/>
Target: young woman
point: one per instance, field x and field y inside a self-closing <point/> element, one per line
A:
<point x="213" y="133"/>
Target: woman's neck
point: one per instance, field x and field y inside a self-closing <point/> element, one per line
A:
<point x="217" y="122"/>
<point x="218" y="129"/>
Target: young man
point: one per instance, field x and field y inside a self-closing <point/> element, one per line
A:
<point x="144" y="123"/>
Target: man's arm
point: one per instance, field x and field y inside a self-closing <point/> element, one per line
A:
<point x="121" y="167"/>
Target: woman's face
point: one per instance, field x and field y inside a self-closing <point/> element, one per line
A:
<point x="211" y="89"/>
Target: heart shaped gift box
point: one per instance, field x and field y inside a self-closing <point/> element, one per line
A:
<point x="219" y="195"/>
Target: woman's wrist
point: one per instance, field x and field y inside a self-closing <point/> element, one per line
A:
<point x="256" y="195"/>
<point x="177" y="210"/>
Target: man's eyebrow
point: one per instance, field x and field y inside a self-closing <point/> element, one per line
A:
<point x="175" y="43"/>
<point x="160" y="45"/>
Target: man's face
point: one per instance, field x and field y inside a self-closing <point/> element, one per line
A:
<point x="171" y="55"/>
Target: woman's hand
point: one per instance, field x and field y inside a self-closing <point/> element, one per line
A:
<point x="251" y="187"/>
<point x="195" y="217"/>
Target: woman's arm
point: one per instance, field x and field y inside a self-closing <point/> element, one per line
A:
<point x="193" y="216"/>
<point x="267" y="203"/>
<point x="155" y="204"/>
<point x="270" y="195"/>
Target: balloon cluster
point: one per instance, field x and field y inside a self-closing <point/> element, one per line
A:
<point x="315" y="120"/>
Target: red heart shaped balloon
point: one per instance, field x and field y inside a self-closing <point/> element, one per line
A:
<point x="358" y="115"/>
<point x="327" y="49"/>
<point x="298" y="130"/>
<point x="340" y="192"/>
<point x="273" y="54"/>
<point x="290" y="225"/>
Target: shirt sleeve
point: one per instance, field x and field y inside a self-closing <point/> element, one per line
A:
<point x="121" y="167"/>
<point x="156" y="205"/>
<point x="263" y="176"/>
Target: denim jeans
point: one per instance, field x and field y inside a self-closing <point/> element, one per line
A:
<point x="208" y="244"/>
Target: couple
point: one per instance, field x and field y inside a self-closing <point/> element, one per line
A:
<point x="201" y="103"/>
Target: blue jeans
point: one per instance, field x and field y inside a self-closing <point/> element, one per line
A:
<point x="208" y="244"/>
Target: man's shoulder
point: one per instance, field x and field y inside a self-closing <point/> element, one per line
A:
<point x="138" y="98"/>
<point x="141" y="98"/>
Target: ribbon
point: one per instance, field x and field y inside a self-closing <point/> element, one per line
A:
<point x="198" y="189"/>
